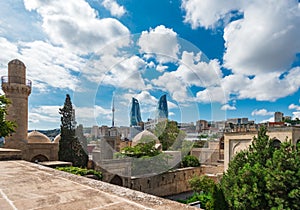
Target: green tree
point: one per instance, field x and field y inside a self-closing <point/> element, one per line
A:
<point x="141" y="150"/>
<point x="208" y="193"/>
<point x="190" y="161"/>
<point x="168" y="133"/>
<point x="263" y="177"/>
<point x="6" y="127"/>
<point x="70" y="148"/>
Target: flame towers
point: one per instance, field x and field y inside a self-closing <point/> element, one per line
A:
<point x="162" y="109"/>
<point x="135" y="113"/>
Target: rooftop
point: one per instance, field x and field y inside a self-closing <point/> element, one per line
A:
<point x="25" y="185"/>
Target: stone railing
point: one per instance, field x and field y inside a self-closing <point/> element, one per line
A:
<point x="18" y="80"/>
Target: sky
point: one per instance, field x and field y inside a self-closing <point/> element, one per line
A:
<point x="214" y="59"/>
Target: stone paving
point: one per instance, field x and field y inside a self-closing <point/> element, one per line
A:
<point x="25" y="185"/>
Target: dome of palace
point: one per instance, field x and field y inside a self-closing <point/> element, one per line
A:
<point x="144" y="137"/>
<point x="57" y="139"/>
<point x="37" y="137"/>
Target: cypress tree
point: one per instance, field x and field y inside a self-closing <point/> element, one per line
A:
<point x="70" y="148"/>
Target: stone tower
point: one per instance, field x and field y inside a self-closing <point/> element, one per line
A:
<point x="17" y="89"/>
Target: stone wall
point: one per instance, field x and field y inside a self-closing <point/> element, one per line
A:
<point x="173" y="182"/>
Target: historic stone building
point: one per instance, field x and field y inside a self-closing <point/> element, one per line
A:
<point x="237" y="141"/>
<point x="34" y="146"/>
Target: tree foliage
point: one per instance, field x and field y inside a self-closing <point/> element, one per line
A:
<point x="168" y="133"/>
<point x="6" y="127"/>
<point x="263" y="177"/>
<point x="70" y="148"/>
<point x="141" y="150"/>
<point x="208" y="193"/>
<point x="81" y="171"/>
<point x="190" y="161"/>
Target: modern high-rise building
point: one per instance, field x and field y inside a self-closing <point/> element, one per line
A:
<point x="135" y="113"/>
<point x="162" y="109"/>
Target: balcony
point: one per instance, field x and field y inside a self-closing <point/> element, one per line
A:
<point x="16" y="80"/>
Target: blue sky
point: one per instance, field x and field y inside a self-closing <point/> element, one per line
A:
<point x="214" y="59"/>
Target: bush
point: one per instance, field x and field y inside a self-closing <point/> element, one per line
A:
<point x="81" y="171"/>
<point x="190" y="161"/>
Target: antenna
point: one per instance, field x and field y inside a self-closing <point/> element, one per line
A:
<point x="113" y="112"/>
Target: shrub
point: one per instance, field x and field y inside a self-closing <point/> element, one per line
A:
<point x="190" y="161"/>
<point x="81" y="171"/>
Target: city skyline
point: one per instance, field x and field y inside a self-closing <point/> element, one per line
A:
<point x="213" y="60"/>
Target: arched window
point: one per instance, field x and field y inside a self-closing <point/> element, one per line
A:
<point x="39" y="158"/>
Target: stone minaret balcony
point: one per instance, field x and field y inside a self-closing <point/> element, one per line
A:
<point x="16" y="84"/>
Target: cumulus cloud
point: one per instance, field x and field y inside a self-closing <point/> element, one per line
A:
<point x="75" y="24"/>
<point x="47" y="65"/>
<point x="228" y="107"/>
<point x="271" y="119"/>
<point x="194" y="71"/>
<point x="294" y="106"/>
<point x="261" y="112"/>
<point x="114" y="8"/>
<point x="176" y="88"/>
<point x="126" y="74"/>
<point x="161" y="42"/>
<point x="212" y="94"/>
<point x="296" y="113"/>
<point x="265" y="39"/>
<point x="207" y="13"/>
<point x="50" y="66"/>
<point x="261" y="41"/>
<point x="44" y="115"/>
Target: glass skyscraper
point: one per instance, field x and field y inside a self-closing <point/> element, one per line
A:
<point x="162" y="109"/>
<point x="135" y="113"/>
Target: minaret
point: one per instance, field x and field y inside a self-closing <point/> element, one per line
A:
<point x="17" y="89"/>
<point x="113" y="113"/>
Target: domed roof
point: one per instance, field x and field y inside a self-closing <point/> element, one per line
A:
<point x="17" y="62"/>
<point x="144" y="136"/>
<point x="37" y="137"/>
<point x="57" y="139"/>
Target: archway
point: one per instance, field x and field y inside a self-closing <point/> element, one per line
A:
<point x="39" y="158"/>
<point x="117" y="180"/>
<point x="276" y="143"/>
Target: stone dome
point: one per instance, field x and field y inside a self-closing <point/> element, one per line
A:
<point x="37" y="137"/>
<point x="57" y="139"/>
<point x="144" y="136"/>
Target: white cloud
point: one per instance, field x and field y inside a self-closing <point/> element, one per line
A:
<point x="126" y="74"/>
<point x="207" y="13"/>
<point x="261" y="42"/>
<point x="50" y="66"/>
<point x="296" y="115"/>
<point x="211" y="95"/>
<point x="44" y="117"/>
<point x="193" y="71"/>
<point x="161" y="68"/>
<point x="171" y="114"/>
<point x="74" y="24"/>
<point x="293" y="106"/>
<point x="173" y="85"/>
<point x="261" y="112"/>
<point x="265" y="39"/>
<point x="271" y="119"/>
<point x="114" y="8"/>
<point x="90" y="113"/>
<point x="228" y="107"/>
<point x="160" y="42"/>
